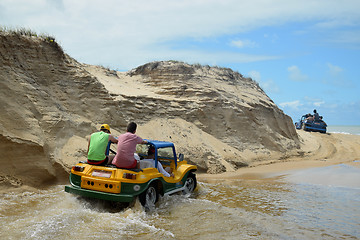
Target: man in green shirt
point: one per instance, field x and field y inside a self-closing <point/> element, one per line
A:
<point x="97" y="146"/>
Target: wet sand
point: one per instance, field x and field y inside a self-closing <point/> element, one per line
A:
<point x="318" y="150"/>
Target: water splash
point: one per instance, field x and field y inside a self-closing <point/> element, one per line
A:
<point x="239" y="209"/>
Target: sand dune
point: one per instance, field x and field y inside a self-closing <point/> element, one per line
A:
<point x="223" y="122"/>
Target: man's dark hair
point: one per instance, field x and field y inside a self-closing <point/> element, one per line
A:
<point x="131" y="127"/>
<point x="151" y="150"/>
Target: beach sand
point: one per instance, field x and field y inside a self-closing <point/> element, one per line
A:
<point x="320" y="150"/>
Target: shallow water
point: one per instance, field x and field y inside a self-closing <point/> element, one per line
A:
<point x="280" y="208"/>
<point x="355" y="130"/>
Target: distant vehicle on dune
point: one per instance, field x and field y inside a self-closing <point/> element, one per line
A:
<point x="312" y="123"/>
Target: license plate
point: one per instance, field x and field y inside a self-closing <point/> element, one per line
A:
<point x="101" y="173"/>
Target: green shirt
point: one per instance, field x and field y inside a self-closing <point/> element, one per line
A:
<point x="98" y="144"/>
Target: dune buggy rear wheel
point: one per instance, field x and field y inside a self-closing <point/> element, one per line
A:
<point x="149" y="197"/>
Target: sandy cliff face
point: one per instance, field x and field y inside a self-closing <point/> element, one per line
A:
<point x="46" y="97"/>
<point x="50" y="103"/>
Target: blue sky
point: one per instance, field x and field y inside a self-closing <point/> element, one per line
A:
<point x="304" y="54"/>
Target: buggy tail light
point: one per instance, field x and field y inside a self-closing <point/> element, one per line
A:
<point x="129" y="175"/>
<point x="78" y="168"/>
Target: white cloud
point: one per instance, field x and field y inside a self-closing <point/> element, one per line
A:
<point x="318" y="104"/>
<point x="268" y="86"/>
<point x="243" y="43"/>
<point x="132" y="32"/>
<point x="255" y="75"/>
<point x="335" y="76"/>
<point x="273" y="37"/>
<point x="312" y="99"/>
<point x="334" y="70"/>
<point x="296" y="75"/>
<point x="349" y="37"/>
<point x="294" y="104"/>
<point x="338" y="22"/>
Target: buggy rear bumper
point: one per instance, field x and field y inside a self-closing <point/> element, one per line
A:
<point x="99" y="195"/>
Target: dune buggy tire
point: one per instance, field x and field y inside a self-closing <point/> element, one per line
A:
<point x="190" y="183"/>
<point x="149" y="197"/>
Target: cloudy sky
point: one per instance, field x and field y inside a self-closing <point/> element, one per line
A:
<point x="304" y="54"/>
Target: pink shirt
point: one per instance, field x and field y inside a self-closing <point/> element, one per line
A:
<point x="126" y="148"/>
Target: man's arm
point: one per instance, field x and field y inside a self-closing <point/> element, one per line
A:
<point x="162" y="170"/>
<point x="88" y="146"/>
<point x="112" y="139"/>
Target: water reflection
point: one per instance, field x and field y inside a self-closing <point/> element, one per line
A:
<point x="256" y="196"/>
<point x="341" y="175"/>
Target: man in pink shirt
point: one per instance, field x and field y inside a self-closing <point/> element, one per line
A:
<point x="126" y="148"/>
